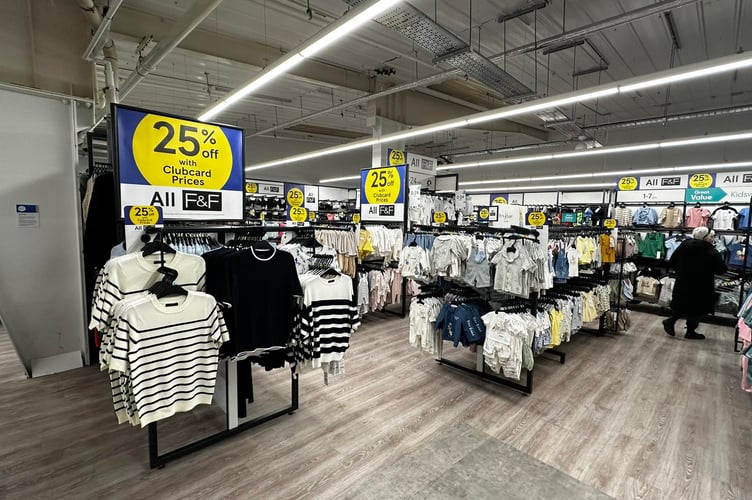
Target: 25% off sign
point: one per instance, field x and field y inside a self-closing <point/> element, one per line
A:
<point x="383" y="186"/>
<point x="536" y="219"/>
<point x="180" y="153"/>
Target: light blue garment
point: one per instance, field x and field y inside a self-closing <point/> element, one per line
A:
<point x="671" y="245"/>
<point x="744" y="219"/>
<point x="645" y="216"/>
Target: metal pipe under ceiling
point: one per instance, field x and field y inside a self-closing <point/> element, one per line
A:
<point x="180" y="29"/>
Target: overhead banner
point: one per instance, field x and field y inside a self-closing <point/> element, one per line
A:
<point x="664" y="182"/>
<point x="499" y="199"/>
<point x="193" y="170"/>
<point x="264" y="187"/>
<point x="382" y="194"/>
<point x="733" y="195"/>
<point x="296" y="198"/>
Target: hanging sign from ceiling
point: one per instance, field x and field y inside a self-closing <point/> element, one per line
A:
<point x="396" y="157"/>
<point x="382" y="194"/>
<point x="295" y="198"/>
<point x="193" y="170"/>
<point x="663" y="182"/>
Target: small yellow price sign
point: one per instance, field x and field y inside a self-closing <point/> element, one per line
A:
<point x="609" y="223"/>
<point x="298" y="214"/>
<point x="295" y="197"/>
<point x="145" y="215"/>
<point x="483" y="214"/>
<point x="396" y="157"/>
<point x="628" y="183"/>
<point x="251" y="187"/>
<point x="700" y="181"/>
<point x="499" y="200"/>
<point x="536" y="218"/>
<point x="311" y="216"/>
<point x="439" y="217"/>
<point x="356" y="218"/>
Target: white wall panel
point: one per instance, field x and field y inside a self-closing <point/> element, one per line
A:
<point x="41" y="271"/>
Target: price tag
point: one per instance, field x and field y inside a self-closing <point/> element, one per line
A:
<point x="439" y="217"/>
<point x="312" y="216"/>
<point x="609" y="223"/>
<point x="499" y="200"/>
<point x="356" y="218"/>
<point x="628" y="183"/>
<point x="298" y="214"/>
<point x="383" y="186"/>
<point x="483" y="214"/>
<point x="700" y="181"/>
<point x="536" y="218"/>
<point x="143" y="216"/>
<point x="251" y="187"/>
<point x="295" y="197"/>
<point x="396" y="157"/>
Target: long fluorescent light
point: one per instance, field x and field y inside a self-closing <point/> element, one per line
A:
<point x="340" y="179"/>
<point x="556" y="187"/>
<point x="678" y="74"/>
<point x="616" y="173"/>
<point x="689" y="141"/>
<point x="324" y="38"/>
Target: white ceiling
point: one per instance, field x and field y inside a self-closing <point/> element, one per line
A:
<point x="706" y="29"/>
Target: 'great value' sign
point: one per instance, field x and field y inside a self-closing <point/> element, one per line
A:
<point x="193" y="170"/>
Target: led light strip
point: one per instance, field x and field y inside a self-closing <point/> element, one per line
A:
<point x="555" y="187"/>
<point x="592" y="175"/>
<point x="324" y="38"/>
<point x="660" y="78"/>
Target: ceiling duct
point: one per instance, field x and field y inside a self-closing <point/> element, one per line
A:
<point x="452" y="50"/>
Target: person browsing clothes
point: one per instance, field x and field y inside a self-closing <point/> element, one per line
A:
<point x="696" y="262"/>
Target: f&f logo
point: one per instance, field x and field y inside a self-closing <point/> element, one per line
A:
<point x="202" y="201"/>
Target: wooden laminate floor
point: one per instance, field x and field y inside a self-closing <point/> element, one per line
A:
<point x="640" y="415"/>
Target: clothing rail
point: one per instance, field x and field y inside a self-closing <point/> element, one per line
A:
<point x="234" y="400"/>
<point x="478" y="228"/>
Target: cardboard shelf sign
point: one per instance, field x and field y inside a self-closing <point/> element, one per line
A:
<point x="193" y="170"/>
<point x="382" y="194"/>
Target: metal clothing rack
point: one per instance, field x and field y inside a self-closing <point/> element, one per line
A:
<point x="234" y="401"/>
<point x="479" y="370"/>
<point x="393" y="225"/>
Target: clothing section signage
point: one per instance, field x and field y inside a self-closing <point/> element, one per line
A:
<point x="664" y="182"/>
<point x="382" y="194"/>
<point x="263" y="187"/>
<point x="27" y="215"/>
<point x="193" y="170"/>
<point x="733" y="195"/>
<point x="295" y="197"/>
<point x="395" y="157"/>
<point x="499" y="199"/>
<point x="136" y="219"/>
<point x="656" y="195"/>
<point x="536" y="218"/>
<point x="483" y="214"/>
<point x="439" y="217"/>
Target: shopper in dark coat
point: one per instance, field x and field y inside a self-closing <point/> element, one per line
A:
<point x="696" y="262"/>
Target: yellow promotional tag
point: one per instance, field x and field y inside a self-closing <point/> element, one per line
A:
<point x="298" y="214"/>
<point x="311" y="216"/>
<point x="356" y="218"/>
<point x="700" y="181"/>
<point x="609" y="223"/>
<point x="483" y="214"/>
<point x="396" y="157"/>
<point x="628" y="184"/>
<point x="536" y="218"/>
<point x="146" y="215"/>
<point x="499" y="200"/>
<point x="295" y="197"/>
<point x="439" y="217"/>
<point x="251" y="187"/>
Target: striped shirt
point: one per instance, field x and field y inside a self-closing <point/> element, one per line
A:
<point x="166" y="353"/>
<point x="328" y="318"/>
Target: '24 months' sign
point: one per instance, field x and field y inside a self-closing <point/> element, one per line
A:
<point x="192" y="170"/>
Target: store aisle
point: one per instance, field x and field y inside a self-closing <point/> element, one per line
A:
<point x="635" y="416"/>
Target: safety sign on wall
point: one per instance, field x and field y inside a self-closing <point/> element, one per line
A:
<point x="295" y="196"/>
<point x="382" y="194"/>
<point x="193" y="170"/>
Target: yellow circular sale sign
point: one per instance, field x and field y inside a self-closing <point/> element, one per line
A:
<point x="483" y="214"/>
<point x="609" y="223"/>
<point x="143" y="215"/>
<point x="295" y="197"/>
<point x="383" y="186"/>
<point x="700" y="181"/>
<point x="180" y="153"/>
<point x="628" y="184"/>
<point x="499" y="200"/>
<point x="536" y="218"/>
<point x="356" y="218"/>
<point x="439" y="217"/>
<point x="298" y="214"/>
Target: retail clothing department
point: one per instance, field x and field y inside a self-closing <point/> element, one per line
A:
<point x="161" y="342"/>
<point x="725" y="217"/>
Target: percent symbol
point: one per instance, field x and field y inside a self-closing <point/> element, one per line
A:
<point x="209" y="136"/>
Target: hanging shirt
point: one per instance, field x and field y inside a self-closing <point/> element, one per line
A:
<point x="623" y="216"/>
<point x="744" y="221"/>
<point x="697" y="217"/>
<point x="671" y="217"/>
<point x="723" y="218"/>
<point x="645" y="216"/>
<point x="573" y="259"/>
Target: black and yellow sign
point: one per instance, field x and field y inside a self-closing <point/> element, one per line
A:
<point x="396" y="157"/>
<point x="297" y="214"/>
<point x="628" y="184"/>
<point x="536" y="219"/>
<point x="311" y="216"/>
<point x="251" y="187"/>
<point x="499" y="200"/>
<point x="609" y="223"/>
<point x="356" y="218"/>
<point x="440" y="217"/>
<point x="143" y="215"/>
<point x="701" y="181"/>
<point x="193" y="170"/>
<point x="483" y="214"/>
